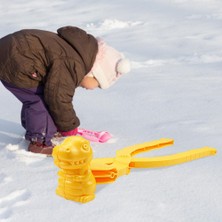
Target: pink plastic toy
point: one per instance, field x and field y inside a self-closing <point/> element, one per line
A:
<point x="94" y="136"/>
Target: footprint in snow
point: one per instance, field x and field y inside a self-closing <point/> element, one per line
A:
<point x="12" y="200"/>
<point x="4" y="179"/>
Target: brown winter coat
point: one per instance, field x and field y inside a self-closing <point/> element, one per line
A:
<point x="59" y="62"/>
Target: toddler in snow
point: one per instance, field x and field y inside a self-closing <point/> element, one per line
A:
<point x="43" y="69"/>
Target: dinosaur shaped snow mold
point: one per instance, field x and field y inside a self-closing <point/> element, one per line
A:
<point x="79" y="173"/>
<point x="76" y="181"/>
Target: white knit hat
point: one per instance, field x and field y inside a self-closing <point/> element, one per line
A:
<point x="109" y="65"/>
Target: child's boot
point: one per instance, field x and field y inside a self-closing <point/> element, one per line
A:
<point x="37" y="147"/>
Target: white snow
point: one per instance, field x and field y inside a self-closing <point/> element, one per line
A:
<point x="173" y="91"/>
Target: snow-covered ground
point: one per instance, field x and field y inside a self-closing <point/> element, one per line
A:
<point x="174" y="91"/>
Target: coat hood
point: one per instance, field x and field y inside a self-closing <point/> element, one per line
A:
<point x="84" y="44"/>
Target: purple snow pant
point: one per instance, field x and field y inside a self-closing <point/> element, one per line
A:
<point x="35" y="117"/>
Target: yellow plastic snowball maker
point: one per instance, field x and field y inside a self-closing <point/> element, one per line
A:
<point x="76" y="181"/>
<point x="79" y="173"/>
<point x="107" y="170"/>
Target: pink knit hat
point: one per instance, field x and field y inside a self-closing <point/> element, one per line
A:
<point x="109" y="65"/>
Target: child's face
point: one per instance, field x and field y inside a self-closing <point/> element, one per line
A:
<point x="89" y="82"/>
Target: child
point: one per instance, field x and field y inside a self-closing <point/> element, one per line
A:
<point x="42" y="69"/>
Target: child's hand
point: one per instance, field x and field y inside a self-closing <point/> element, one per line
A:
<point x="69" y="133"/>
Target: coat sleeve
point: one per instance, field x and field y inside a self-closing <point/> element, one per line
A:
<point x="58" y="94"/>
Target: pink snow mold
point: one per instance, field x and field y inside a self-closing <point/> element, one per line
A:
<point x="94" y="136"/>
